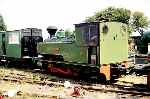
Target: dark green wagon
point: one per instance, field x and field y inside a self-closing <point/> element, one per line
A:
<point x="20" y="44"/>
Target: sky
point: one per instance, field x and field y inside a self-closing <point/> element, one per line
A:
<point x="20" y="14"/>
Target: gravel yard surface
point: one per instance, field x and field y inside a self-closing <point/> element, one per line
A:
<point x="26" y="86"/>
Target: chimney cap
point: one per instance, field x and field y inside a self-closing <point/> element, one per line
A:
<point x="51" y="27"/>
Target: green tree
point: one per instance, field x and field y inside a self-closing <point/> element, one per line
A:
<point x="139" y="22"/>
<point x="136" y="21"/>
<point x="2" y="24"/>
<point x="111" y="14"/>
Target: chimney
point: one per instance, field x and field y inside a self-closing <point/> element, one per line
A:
<point x="52" y="30"/>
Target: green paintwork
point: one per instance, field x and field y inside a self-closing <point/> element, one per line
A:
<point x="79" y="38"/>
<point x="14" y="49"/>
<point x="70" y="51"/>
<point x="60" y="34"/>
<point x="143" y="43"/>
<point x="114" y="44"/>
<point x="1" y="51"/>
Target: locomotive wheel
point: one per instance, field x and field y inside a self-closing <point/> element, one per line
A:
<point x="4" y="63"/>
<point x="101" y="78"/>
